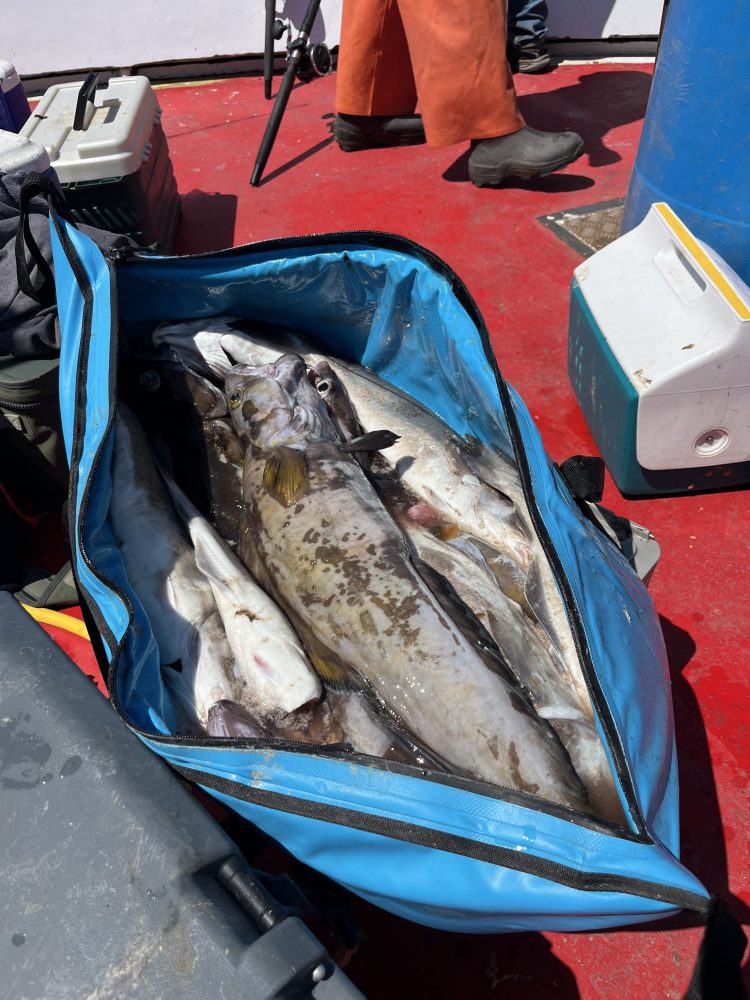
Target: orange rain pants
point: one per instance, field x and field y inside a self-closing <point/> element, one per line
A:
<point x="448" y="54"/>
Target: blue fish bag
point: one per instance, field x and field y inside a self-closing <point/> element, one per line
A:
<point x="446" y="851"/>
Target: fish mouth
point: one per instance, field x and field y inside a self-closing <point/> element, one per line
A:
<point x="210" y="401"/>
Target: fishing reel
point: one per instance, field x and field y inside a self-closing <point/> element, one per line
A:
<point x="314" y="60"/>
<point x="304" y="61"/>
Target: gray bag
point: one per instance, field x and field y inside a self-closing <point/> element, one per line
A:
<point x="31" y="443"/>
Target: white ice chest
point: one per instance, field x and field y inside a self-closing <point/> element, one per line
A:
<point x="659" y="358"/>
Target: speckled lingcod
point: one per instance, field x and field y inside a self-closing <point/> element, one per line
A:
<point x="318" y="537"/>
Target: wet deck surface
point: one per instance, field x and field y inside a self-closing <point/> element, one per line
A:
<point x="519" y="272"/>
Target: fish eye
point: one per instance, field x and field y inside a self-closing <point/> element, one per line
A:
<point x="235" y="398"/>
<point x="323" y="387"/>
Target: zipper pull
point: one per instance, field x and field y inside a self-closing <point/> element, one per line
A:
<point x="120" y="254"/>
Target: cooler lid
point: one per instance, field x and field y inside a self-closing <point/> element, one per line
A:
<point x="8" y="76"/>
<point x="116" y="134"/>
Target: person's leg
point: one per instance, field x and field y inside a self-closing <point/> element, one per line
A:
<point x="527" y="31"/>
<point x="462" y="75"/>
<point x="462" y="80"/>
<point x="527" y="21"/>
<point x="375" y="90"/>
<point x="373" y="74"/>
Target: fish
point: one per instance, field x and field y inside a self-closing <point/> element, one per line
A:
<point x="189" y="414"/>
<point x="270" y="661"/>
<point x="340" y="568"/>
<point x="197" y="661"/>
<point x="429" y="457"/>
<point x="532" y="657"/>
<point x="458" y="569"/>
<point x="198" y="342"/>
<point x="540" y="592"/>
<point x="328" y="385"/>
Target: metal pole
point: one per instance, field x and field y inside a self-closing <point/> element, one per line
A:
<point x="268" y="52"/>
<point x="297" y="49"/>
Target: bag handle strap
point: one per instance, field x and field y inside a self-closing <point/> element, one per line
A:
<point x="584" y="477"/>
<point x="717" y="974"/>
<point x="42" y="290"/>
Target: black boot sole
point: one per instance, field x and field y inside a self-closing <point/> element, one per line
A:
<point x="352" y="139"/>
<point x="491" y="176"/>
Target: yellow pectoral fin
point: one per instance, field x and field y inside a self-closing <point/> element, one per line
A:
<point x="445" y="532"/>
<point x="285" y="476"/>
<point x="335" y="675"/>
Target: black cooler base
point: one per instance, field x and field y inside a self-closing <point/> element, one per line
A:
<point x="143" y="205"/>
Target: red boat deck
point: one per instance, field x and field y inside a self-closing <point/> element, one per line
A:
<point x="519" y="272"/>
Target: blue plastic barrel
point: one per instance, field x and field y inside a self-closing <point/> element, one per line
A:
<point x="14" y="108"/>
<point x="695" y="148"/>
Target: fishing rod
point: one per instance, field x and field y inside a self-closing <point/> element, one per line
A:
<point x="268" y="51"/>
<point x="305" y="62"/>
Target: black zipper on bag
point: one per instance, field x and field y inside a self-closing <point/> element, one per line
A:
<point x="75" y="526"/>
<point x="11" y="407"/>
<point x="367" y="822"/>
<point x="439" y="840"/>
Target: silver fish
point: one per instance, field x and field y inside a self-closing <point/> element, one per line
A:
<point x="341" y="569"/>
<point x="471" y="486"/>
<point x="533" y="658"/>
<point x="198" y="342"/>
<point x="540" y="591"/>
<point x="269" y="658"/>
<point x="459" y="567"/>
<point x="428" y="457"/>
<point x="161" y="569"/>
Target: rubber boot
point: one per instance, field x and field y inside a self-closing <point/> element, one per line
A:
<point x="524" y="154"/>
<point x="354" y="132"/>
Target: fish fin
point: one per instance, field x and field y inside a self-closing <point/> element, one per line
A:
<point x="186" y="510"/>
<point x="336" y="676"/>
<point x="285" y="475"/>
<point x="212" y="562"/>
<point x="405" y="748"/>
<point x="229" y="442"/>
<point x="445" y="532"/>
<point x="372" y="441"/>
<point x="464" y="619"/>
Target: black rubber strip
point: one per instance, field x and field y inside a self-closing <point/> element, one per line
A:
<point x="438" y="840"/>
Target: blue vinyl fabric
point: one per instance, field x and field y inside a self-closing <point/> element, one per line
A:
<point x="450" y="854"/>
